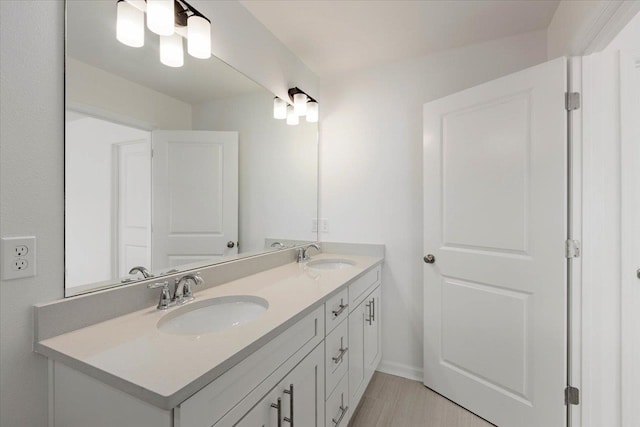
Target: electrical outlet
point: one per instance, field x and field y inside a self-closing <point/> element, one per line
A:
<point x="18" y="257"/>
<point x="323" y="225"/>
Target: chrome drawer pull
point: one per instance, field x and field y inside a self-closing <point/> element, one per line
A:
<point x="341" y="308"/>
<point x="368" y="305"/>
<point x="278" y="406"/>
<point x="373" y="309"/>
<point x="343" y="411"/>
<point x="290" y="393"/>
<point x="337" y="359"/>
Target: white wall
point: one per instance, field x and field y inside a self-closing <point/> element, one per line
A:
<point x="371" y="167"/>
<point x="89" y="197"/>
<point x="102" y="92"/>
<point x="31" y="166"/>
<point x="278" y="168"/>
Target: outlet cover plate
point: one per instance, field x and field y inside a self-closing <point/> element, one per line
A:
<point x="18" y="256"/>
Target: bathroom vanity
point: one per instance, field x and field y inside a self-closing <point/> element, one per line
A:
<point x="305" y="359"/>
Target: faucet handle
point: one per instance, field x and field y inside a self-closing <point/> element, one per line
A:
<point x="165" y="296"/>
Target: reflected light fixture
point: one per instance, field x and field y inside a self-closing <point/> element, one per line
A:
<point x="279" y="108"/>
<point x="292" y="117"/>
<point x="301" y="105"/>
<point x="172" y="20"/>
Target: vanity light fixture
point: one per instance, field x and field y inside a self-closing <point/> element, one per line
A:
<point x="302" y="105"/>
<point x="292" y="116"/>
<point x="172" y="20"/>
<point x="279" y="108"/>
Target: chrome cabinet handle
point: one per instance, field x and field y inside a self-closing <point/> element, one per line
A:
<point x="341" y="308"/>
<point x="343" y="411"/>
<point x="429" y="259"/>
<point x="230" y="244"/>
<point x="373" y="309"/>
<point x="343" y="350"/>
<point x="278" y="407"/>
<point x="368" y="305"/>
<point x="290" y="393"/>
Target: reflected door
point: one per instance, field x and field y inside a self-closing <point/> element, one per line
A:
<point x="133" y="205"/>
<point x="195" y="197"/>
<point x="495" y="209"/>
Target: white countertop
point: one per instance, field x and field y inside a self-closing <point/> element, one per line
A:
<point x="131" y="354"/>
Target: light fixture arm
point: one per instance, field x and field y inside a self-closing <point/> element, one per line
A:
<point x="294" y="90"/>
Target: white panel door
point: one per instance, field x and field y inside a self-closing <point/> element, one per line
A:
<point x="495" y="209"/>
<point x="195" y="196"/>
<point x="133" y="163"/>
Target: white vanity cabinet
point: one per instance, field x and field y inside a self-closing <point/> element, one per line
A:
<point x="295" y="400"/>
<point x="311" y="374"/>
<point x="364" y="344"/>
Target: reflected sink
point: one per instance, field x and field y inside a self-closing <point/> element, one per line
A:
<point x="330" y="264"/>
<point x="213" y="315"/>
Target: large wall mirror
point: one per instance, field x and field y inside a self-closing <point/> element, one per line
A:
<point x="172" y="168"/>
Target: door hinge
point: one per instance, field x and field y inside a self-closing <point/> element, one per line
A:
<point x="572" y="101"/>
<point x="571" y="396"/>
<point x="571" y="248"/>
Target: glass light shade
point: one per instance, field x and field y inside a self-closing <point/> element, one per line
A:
<point x="161" y="17"/>
<point x="198" y="37"/>
<point x="171" y="52"/>
<point x="312" y="112"/>
<point x="129" y="24"/>
<point x="292" y="117"/>
<point x="300" y="103"/>
<point x="279" y="108"/>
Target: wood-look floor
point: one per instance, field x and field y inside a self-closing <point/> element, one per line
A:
<point x="399" y="402"/>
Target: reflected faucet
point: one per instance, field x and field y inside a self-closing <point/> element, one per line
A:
<point x="140" y="269"/>
<point x="303" y="253"/>
<point x="278" y="245"/>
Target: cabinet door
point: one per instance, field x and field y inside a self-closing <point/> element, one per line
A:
<point x="357" y="324"/>
<point x="265" y="413"/>
<point x="372" y="345"/>
<point x="302" y="392"/>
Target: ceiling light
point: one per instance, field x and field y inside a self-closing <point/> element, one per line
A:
<point x="292" y="117"/>
<point x="171" y="52"/>
<point x="312" y="112"/>
<point x="199" y="37"/>
<point x="161" y="17"/>
<point x="129" y="24"/>
<point x="279" y="108"/>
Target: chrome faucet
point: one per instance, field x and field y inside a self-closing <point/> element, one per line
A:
<point x="140" y="269"/>
<point x="303" y="253"/>
<point x="278" y="245"/>
<point x="182" y="292"/>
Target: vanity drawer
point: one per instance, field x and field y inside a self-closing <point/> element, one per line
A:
<point x="337" y="309"/>
<point x="363" y="286"/>
<point x="336" y="357"/>
<point x="337" y="411"/>
<point x="254" y="376"/>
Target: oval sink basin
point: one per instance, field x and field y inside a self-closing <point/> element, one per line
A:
<point x="213" y="315"/>
<point x="330" y="264"/>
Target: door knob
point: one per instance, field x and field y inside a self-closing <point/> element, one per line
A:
<point x="429" y="259"/>
<point x="230" y="244"/>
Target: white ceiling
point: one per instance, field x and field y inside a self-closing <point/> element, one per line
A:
<point x="332" y="36"/>
<point x="91" y="38"/>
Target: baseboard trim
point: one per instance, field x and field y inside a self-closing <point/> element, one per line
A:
<point x="401" y="370"/>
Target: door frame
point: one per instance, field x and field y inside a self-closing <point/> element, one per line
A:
<point x="593" y="37"/>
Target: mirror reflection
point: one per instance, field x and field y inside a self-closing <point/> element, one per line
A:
<point x="172" y="168"/>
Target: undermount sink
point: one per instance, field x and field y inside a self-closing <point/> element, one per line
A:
<point x="331" y="264"/>
<point x="213" y="315"/>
